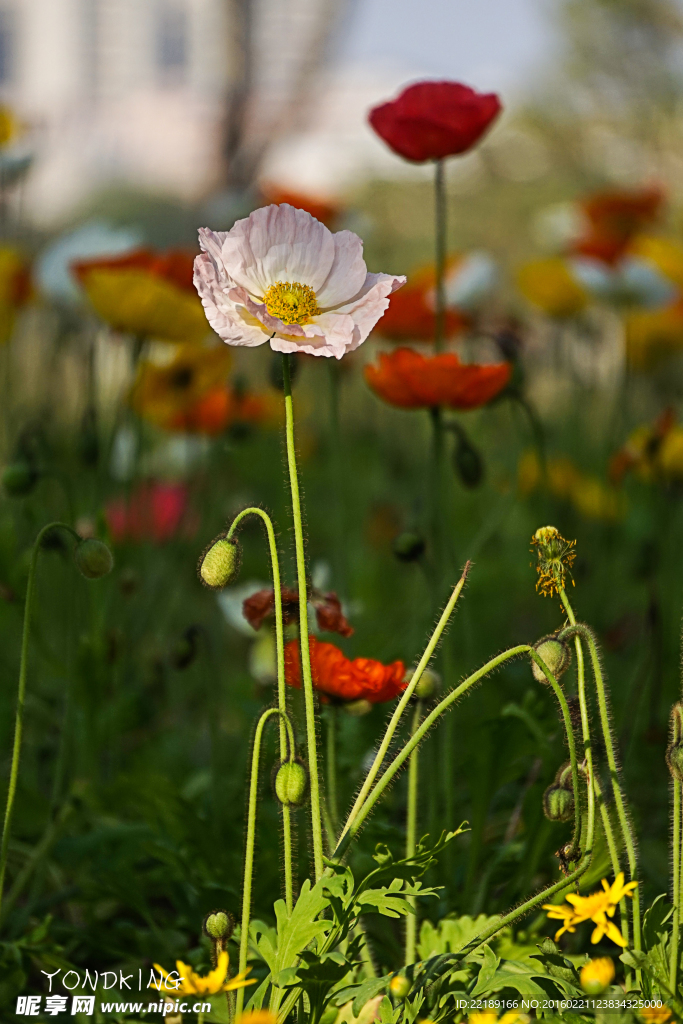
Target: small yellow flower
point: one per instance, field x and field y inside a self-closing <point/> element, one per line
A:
<point x="599" y="907"/>
<point x="489" y="1017"/>
<point x="257" y="1017"/>
<point x="191" y="984"/>
<point x="597" y="975"/>
<point x="555" y="557"/>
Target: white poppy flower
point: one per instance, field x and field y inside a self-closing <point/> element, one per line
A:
<point x="281" y="276"/>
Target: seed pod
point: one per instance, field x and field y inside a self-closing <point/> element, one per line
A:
<point x="219" y="925"/>
<point x="19" y="479"/>
<point x="409" y="547"/>
<point x="291" y="784"/>
<point x="219" y="563"/>
<point x="399" y="986"/>
<point x="468" y="463"/>
<point x="357" y="708"/>
<point x="555" y="653"/>
<point x="93" y="558"/>
<point x="428" y="686"/>
<point x="558" y="803"/>
<point x="674" y="760"/>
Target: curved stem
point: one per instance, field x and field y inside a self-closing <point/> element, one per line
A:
<point x="21" y="695"/>
<point x="251" y="835"/>
<point x="309" y="700"/>
<point x="411" y="832"/>
<point x="281" y="685"/>
<point x="676" y="856"/>
<point x="580" y="629"/>
<point x="403" y="703"/>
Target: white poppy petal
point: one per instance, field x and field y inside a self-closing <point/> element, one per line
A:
<point x="278" y="243"/>
<point x="367" y="307"/>
<point x="347" y="274"/>
<point x="232" y="323"/>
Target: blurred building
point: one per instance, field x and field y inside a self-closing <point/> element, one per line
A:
<point x="127" y="90"/>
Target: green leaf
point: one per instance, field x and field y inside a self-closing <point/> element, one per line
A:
<point x="487" y="972"/>
<point x="654" y="922"/>
<point x="451" y="934"/>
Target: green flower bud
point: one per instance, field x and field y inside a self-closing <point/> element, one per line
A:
<point x="428" y="686"/>
<point x="408" y="547"/>
<point x="19" y="479"/>
<point x="93" y="558"/>
<point x="219" y="925"/>
<point x="399" y="986"/>
<point x="220" y="563"/>
<point x="558" y="803"/>
<point x="674" y="760"/>
<point x="358" y="708"/>
<point x="555" y="653"/>
<point x="291" y="784"/>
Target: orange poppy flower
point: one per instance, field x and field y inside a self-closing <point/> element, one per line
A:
<point x="146" y="293"/>
<point x="220" y="408"/>
<point x="614" y="218"/>
<point x="336" y="676"/>
<point x="322" y="209"/>
<point x="411" y="315"/>
<point x="410" y="380"/>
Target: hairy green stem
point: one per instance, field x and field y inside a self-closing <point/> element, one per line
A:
<point x="331" y="768"/>
<point x="403" y="703"/>
<point x="21" y="695"/>
<point x="309" y="699"/>
<point x="251" y="835"/>
<point x="440" y="248"/>
<point x="579" y="629"/>
<point x="676" y="735"/>
<point x="424" y="728"/>
<point x="411" y="832"/>
<point x="281" y="685"/>
<point x="614" y="858"/>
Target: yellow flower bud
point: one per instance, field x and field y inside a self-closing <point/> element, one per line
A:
<point x="597" y="975"/>
<point x="220" y="563"/>
<point x="555" y="653"/>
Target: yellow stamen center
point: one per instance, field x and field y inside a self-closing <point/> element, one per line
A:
<point x="292" y="303"/>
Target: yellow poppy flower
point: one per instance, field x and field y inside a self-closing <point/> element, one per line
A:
<point x="489" y="1017"/>
<point x="9" y="126"/>
<point x="597" y="975"/>
<point x="652" y="334"/>
<point x="147" y="294"/>
<point x="599" y="907"/>
<point x="664" y="253"/>
<point x="656" y="1014"/>
<point x="257" y="1017"/>
<point x="163" y="393"/>
<point x="550" y="285"/>
<point x="191" y="984"/>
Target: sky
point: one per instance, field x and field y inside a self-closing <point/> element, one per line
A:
<point x="490" y="44"/>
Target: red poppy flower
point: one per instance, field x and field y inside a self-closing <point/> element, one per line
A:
<point x="328" y="611"/>
<point x="614" y="218"/>
<point x="336" y="676"/>
<point x="411" y="315"/>
<point x="410" y="380"/>
<point x="154" y="512"/>
<point x="432" y="120"/>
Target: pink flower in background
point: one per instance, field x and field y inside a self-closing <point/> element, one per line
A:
<point x="154" y="512"/>
<point x="280" y="276"/>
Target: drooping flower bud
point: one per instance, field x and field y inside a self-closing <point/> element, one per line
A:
<point x="93" y="558"/>
<point x="291" y="784"/>
<point x="428" y="686"/>
<point x="555" y="653"/>
<point x="409" y="547"/>
<point x="558" y="803"/>
<point x="219" y="563"/>
<point x="399" y="986"/>
<point x="19" y="479"/>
